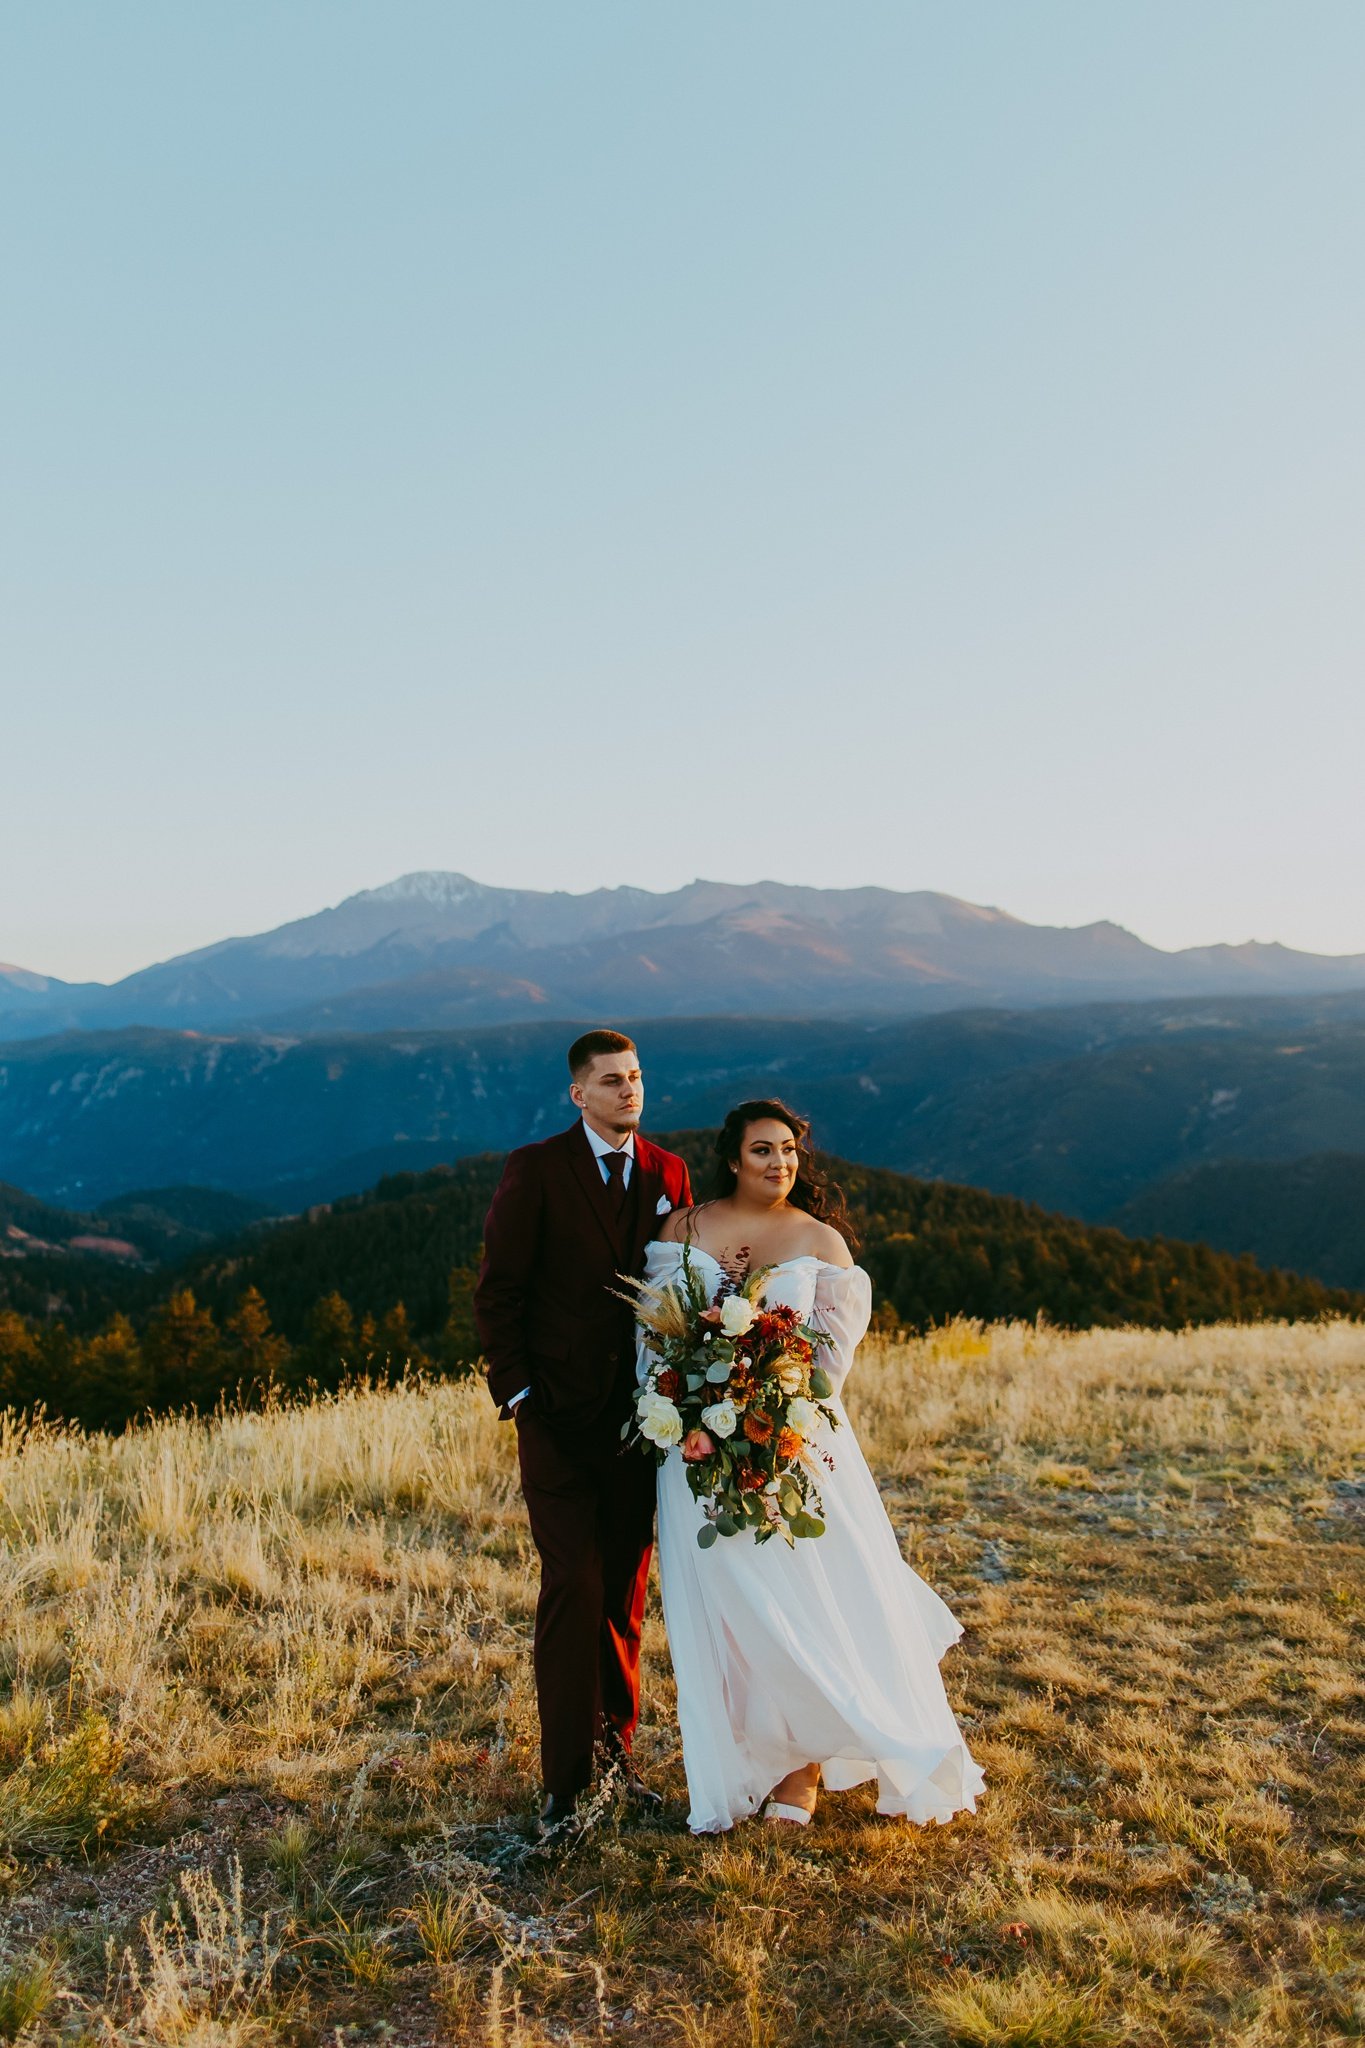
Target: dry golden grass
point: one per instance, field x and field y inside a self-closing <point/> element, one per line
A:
<point x="267" y="1732"/>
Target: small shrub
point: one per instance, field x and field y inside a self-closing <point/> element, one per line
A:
<point x="446" y="1922"/>
<point x="287" y="1852"/>
<point x="1027" y="2011"/>
<point x="26" y="1991"/>
<point x="67" y="1797"/>
<point x="363" y="1950"/>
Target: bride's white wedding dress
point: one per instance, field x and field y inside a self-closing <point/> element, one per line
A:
<point x="823" y="1653"/>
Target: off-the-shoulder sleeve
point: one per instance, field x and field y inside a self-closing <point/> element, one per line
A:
<point x="843" y="1307"/>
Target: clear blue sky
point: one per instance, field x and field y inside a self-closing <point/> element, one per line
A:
<point x="585" y="443"/>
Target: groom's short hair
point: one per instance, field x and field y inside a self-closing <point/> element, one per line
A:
<point x="584" y="1050"/>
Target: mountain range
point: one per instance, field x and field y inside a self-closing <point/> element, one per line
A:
<point x="1216" y="1094"/>
<point x="438" y="951"/>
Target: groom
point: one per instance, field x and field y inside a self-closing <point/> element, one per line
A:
<point x="569" y="1216"/>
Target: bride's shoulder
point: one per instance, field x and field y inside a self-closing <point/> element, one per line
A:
<point x="828" y="1244"/>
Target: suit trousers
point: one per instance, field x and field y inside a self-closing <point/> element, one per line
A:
<point x="591" y="1509"/>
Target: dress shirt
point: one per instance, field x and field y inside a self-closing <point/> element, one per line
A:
<point x="600" y="1150"/>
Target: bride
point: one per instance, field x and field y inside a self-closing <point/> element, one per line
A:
<point x="820" y="1660"/>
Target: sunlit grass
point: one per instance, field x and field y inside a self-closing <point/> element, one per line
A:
<point x="267" y="1736"/>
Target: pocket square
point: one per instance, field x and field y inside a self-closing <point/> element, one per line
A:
<point x="664" y="1206"/>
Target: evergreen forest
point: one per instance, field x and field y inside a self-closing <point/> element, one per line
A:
<point x="380" y="1284"/>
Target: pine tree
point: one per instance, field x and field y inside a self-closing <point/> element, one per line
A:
<point x="258" y="1358"/>
<point x="396" y="1350"/>
<point x="111" y="1381"/>
<point x="24" y="1378"/>
<point x="184" y="1352"/>
<point x="458" y="1348"/>
<point x="331" y="1351"/>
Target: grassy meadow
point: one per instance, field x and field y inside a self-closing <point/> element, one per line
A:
<point x="267" y="1735"/>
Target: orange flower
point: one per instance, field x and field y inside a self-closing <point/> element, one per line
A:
<point x="751" y="1478"/>
<point x="775" y="1322"/>
<point x="789" y="1442"/>
<point x="758" y="1427"/>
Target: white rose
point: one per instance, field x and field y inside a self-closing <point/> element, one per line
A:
<point x="803" y="1415"/>
<point x="736" y="1314"/>
<point x="660" y="1421"/>
<point x="721" y="1418"/>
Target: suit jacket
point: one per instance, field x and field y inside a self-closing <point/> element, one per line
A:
<point x="553" y="1248"/>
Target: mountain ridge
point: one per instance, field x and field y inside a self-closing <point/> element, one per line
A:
<point x="437" y="947"/>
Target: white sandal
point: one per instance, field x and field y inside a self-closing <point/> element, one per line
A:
<point x="777" y="1809"/>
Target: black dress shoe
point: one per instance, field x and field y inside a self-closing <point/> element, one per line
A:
<point x="642" y="1797"/>
<point x="558" y="1808"/>
<point x="626" y="1780"/>
<point x="618" y="1767"/>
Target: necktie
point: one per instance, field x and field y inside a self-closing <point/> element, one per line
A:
<point x="615" y="1163"/>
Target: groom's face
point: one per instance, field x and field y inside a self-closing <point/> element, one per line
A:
<point x="611" y="1092"/>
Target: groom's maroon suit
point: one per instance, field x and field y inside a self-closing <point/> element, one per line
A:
<point x="555" y="1241"/>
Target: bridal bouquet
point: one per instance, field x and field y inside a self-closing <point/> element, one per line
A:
<point x="736" y="1386"/>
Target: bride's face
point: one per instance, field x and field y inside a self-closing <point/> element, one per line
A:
<point x="768" y="1161"/>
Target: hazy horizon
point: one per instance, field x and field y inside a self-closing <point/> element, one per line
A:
<point x="581" y="448"/>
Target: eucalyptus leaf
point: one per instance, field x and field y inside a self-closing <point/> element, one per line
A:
<point x="727" y="1525"/>
<point x="706" y="1535"/>
<point x="718" y="1372"/>
<point x="820" y="1383"/>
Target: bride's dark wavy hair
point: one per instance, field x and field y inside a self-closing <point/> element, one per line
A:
<point x="814" y="1191"/>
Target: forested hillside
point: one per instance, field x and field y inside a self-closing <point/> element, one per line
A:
<point x="1307" y="1214"/>
<point x="933" y="1249"/>
<point x="1079" y="1108"/>
<point x="80" y="1265"/>
<point x="60" y="1261"/>
<point x="383" y="1281"/>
